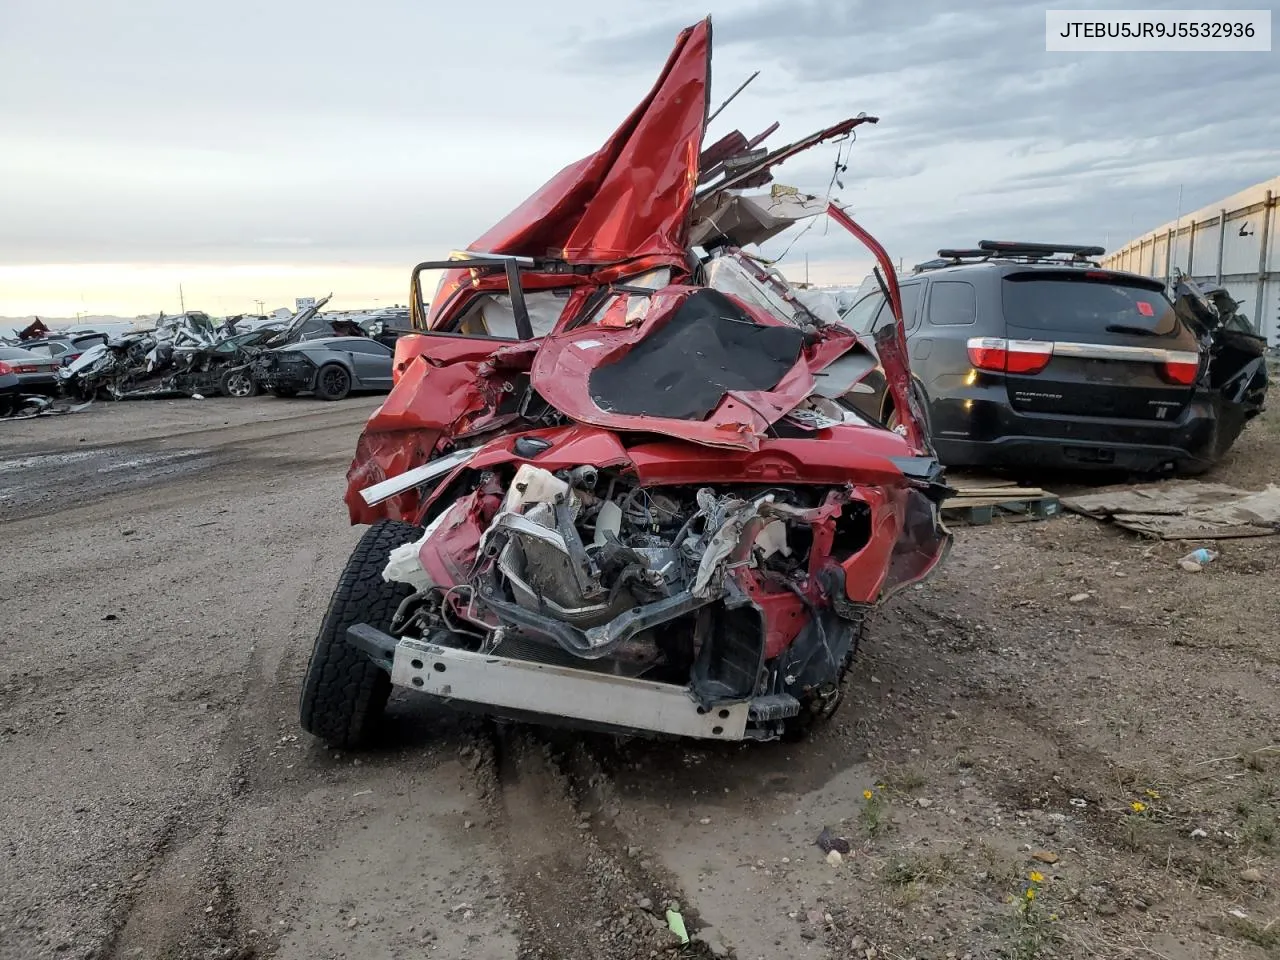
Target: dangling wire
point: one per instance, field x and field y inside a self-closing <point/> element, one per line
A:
<point x="841" y="165"/>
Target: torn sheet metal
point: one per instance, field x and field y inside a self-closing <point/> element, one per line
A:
<point x="650" y="482"/>
<point x="1187" y="511"/>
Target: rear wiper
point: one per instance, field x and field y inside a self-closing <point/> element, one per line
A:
<point x="1140" y="331"/>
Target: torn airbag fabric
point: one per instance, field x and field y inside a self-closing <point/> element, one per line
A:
<point x="709" y="347"/>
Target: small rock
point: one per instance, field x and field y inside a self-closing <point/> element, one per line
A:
<point x="1198" y="834"/>
<point x="1190" y="566"/>
<point x="807" y="934"/>
<point x="924" y="803"/>
<point x="110" y="616"/>
<point x="352" y="923"/>
<point x="1252" y="875"/>
<point x="1079" y="597"/>
<point x="467" y="824"/>
<point x="1045" y="856"/>
<point x="704" y="821"/>
<point x="633" y="852"/>
<point x="835" y="858"/>
<point x="1108" y="909"/>
<point x="644" y="903"/>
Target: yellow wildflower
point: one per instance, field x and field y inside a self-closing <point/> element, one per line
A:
<point x="866" y="794"/>
<point x="1153" y="795"/>
<point x="1037" y="876"/>
<point x="1137" y="806"/>
<point x="1031" y="893"/>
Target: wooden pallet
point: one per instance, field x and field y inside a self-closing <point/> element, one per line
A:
<point x="982" y="504"/>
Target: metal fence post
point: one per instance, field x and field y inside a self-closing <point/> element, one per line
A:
<point x="1267" y="218"/>
<point x="1222" y="239"/>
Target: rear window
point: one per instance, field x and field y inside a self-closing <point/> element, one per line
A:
<point x="952" y="303"/>
<point x="1085" y="304"/>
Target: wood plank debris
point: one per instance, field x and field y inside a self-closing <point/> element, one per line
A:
<point x="979" y="500"/>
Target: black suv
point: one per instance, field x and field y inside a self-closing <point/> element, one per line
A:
<point x="1033" y="355"/>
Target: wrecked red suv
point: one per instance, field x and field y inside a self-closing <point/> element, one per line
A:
<point x="624" y="480"/>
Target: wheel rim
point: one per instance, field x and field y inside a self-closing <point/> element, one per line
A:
<point x="334" y="380"/>
<point x="239" y="385"/>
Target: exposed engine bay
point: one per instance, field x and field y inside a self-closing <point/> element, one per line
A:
<point x="733" y="591"/>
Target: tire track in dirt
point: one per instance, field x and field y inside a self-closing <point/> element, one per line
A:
<point x="189" y="906"/>
<point x="580" y="888"/>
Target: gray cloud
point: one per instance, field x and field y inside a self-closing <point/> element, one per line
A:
<point x="392" y="130"/>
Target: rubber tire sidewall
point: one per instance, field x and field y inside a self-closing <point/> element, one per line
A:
<point x="320" y="391"/>
<point x="222" y="386"/>
<point x="344" y="692"/>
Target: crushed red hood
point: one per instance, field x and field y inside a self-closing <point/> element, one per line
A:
<point x="631" y="198"/>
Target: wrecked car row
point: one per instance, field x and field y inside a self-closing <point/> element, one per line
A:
<point x="186" y="355"/>
<point x="623" y="480"/>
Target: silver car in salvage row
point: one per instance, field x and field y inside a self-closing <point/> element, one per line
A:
<point x="329" y="367"/>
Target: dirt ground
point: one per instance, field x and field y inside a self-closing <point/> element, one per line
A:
<point x="1017" y="773"/>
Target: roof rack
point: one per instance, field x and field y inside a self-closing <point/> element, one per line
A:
<point x="1058" y="252"/>
<point x="1072" y="254"/>
<point x="951" y="258"/>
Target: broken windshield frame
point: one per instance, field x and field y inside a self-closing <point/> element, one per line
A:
<point x="511" y="266"/>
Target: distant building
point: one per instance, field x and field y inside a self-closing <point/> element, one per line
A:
<point x="1234" y="242"/>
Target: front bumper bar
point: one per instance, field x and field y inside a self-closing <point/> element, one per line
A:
<point x="525" y="687"/>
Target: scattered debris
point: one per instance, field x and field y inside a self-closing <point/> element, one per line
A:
<point x="1185" y="511"/>
<point x="675" y="923"/>
<point x="1196" y="560"/>
<point x="827" y="841"/>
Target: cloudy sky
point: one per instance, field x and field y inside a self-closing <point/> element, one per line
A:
<point x="266" y="149"/>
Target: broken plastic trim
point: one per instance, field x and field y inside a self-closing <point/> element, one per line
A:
<point x="394" y="486"/>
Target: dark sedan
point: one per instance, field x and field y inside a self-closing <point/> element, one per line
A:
<point x="34" y="372"/>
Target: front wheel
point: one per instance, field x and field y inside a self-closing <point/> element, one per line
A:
<point x="238" y="383"/>
<point x="333" y="382"/>
<point x="344" y="692"/>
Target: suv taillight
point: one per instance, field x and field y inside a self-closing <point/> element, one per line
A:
<point x="5" y="369"/>
<point x="1181" y="367"/>
<point x="998" y="355"/>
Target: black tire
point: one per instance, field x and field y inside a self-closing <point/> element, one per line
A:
<point x="238" y="383"/>
<point x="333" y="382"/>
<point x="344" y="692"/>
<point x="284" y="393"/>
<point x="822" y="705"/>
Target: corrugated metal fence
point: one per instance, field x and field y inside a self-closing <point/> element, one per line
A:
<point x="1235" y="243"/>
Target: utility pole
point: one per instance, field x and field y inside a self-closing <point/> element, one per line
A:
<point x="182" y="303"/>
<point x="261" y="304"/>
